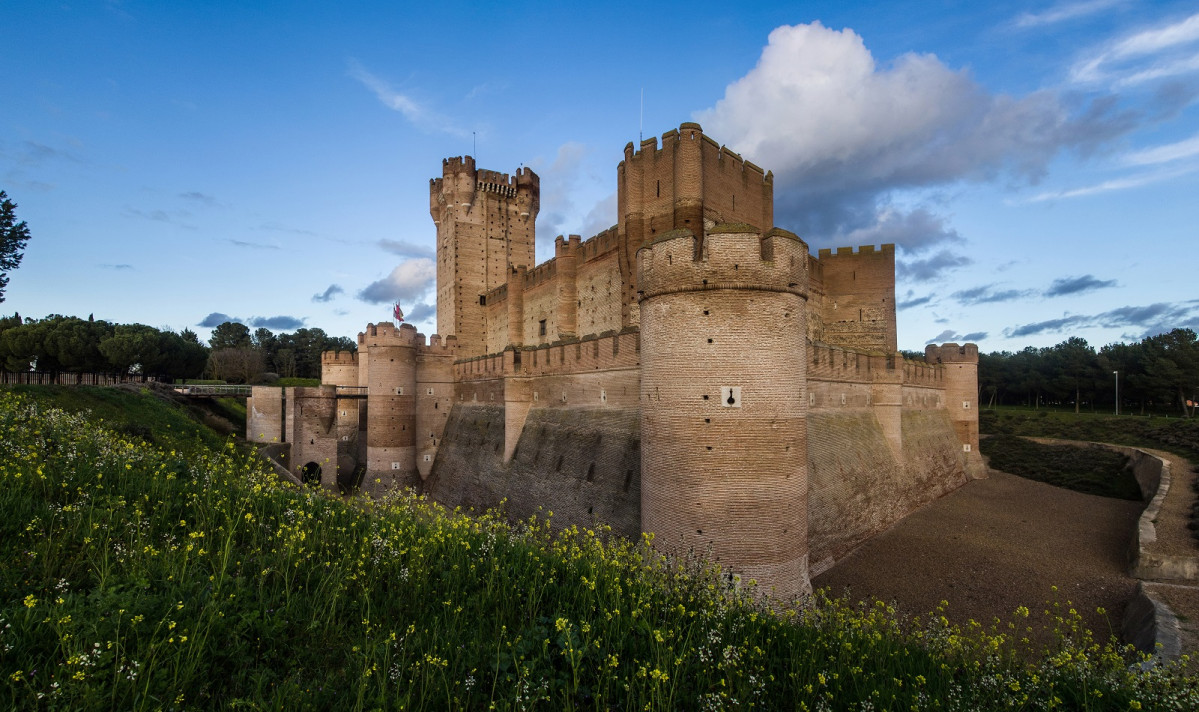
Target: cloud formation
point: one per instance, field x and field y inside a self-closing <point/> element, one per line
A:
<point x="170" y="217"/>
<point x="328" y="294"/>
<point x="1063" y="12"/>
<point x="215" y="319"/>
<point x="559" y="179"/>
<point x="198" y="197"/>
<point x="283" y="323"/>
<point x="842" y="133"/>
<point x="276" y="226"/>
<point x="417" y="113"/>
<point x="1150" y="320"/>
<point x="929" y="268"/>
<point x="406" y="283"/>
<point x="421" y="312"/>
<point x="1077" y="285"/>
<point x="987" y="294"/>
<point x="911" y="300"/>
<point x="951" y="336"/>
<point x="404" y="248"/>
<point x="278" y="323"/>
<point x="253" y="245"/>
<point x="1145" y="55"/>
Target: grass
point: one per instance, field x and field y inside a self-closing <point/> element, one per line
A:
<point x="296" y="381"/>
<point x="1090" y="469"/>
<point x="133" y="411"/>
<point x="1177" y="435"/>
<point x="136" y="578"/>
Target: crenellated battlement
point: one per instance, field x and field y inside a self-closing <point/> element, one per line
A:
<point x="600" y="244"/>
<point x="386" y="334"/>
<point x="732" y="256"/>
<point x="951" y="353"/>
<point x="860" y="251"/>
<point x="439" y="346"/>
<point x="544" y="272"/>
<point x="725" y="160"/>
<point x="339" y="358"/>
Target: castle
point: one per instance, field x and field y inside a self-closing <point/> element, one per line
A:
<point x="692" y="371"/>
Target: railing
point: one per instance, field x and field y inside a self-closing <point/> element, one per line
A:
<point x="68" y="378"/>
<point x="208" y="391"/>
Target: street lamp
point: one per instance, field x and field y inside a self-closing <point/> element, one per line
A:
<point x="1117" y="375"/>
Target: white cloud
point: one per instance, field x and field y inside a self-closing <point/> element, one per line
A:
<point x="1166" y="51"/>
<point x="407" y="282"/>
<point x="559" y="181"/>
<point x="417" y="113"/>
<point x="1108" y="186"/>
<point x="1164" y="154"/>
<point x="841" y="133"/>
<point x="601" y="216"/>
<point x="1064" y="12"/>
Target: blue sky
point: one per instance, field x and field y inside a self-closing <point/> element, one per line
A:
<point x="1037" y="164"/>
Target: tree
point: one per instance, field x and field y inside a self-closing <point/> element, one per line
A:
<point x="183" y="356"/>
<point x="240" y="364"/>
<point x="13" y="236"/>
<point x="133" y="348"/>
<point x="1073" y="366"/>
<point x="230" y="335"/>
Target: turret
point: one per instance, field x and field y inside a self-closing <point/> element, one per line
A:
<point x="724" y="403"/>
<point x="485" y="225"/>
<point x="961" y="395"/>
<point x="687" y="184"/>
<point x="391" y="403"/>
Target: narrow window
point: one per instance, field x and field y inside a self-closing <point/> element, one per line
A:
<point x="541" y="327"/>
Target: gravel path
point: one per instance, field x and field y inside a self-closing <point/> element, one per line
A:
<point x="994" y="545"/>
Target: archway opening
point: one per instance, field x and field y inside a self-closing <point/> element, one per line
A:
<point x="310" y="474"/>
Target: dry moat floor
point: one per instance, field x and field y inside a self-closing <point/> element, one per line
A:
<point x="997" y="544"/>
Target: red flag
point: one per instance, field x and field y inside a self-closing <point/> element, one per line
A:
<point x="399" y="313"/>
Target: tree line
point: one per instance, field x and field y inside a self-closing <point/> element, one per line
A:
<point x="241" y="356"/>
<point x="1159" y="374"/>
<point x="59" y="343"/>
<point x="66" y="343"/>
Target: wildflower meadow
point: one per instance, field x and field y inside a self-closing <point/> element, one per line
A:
<point x="148" y="577"/>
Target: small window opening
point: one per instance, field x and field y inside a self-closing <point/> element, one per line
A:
<point x="541" y="327"/>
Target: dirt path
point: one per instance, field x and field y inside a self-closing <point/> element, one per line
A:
<point x="997" y="544"/>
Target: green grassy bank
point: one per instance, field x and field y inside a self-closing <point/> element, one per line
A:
<point x="134" y="577"/>
<point x="1177" y="435"/>
<point x="1091" y="469"/>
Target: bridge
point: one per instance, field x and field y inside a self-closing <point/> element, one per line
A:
<point x="222" y="391"/>
<point x="213" y="391"/>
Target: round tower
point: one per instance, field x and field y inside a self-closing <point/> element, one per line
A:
<point x="391" y="405"/>
<point x="724" y="402"/>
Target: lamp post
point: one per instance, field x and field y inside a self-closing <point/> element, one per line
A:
<point x="1117" y="375"/>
